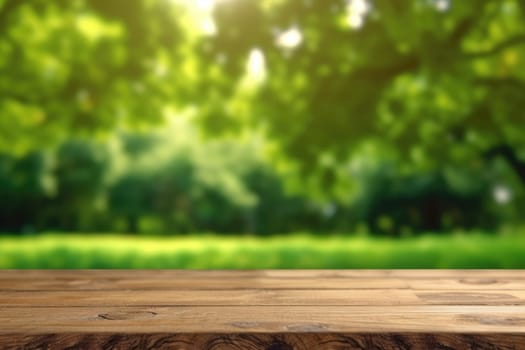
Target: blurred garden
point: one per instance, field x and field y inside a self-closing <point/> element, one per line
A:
<point x="262" y="134"/>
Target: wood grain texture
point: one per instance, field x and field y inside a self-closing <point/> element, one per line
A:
<point x="288" y="341"/>
<point x="261" y="297"/>
<point x="261" y="279"/>
<point x="263" y="309"/>
<point x="266" y="319"/>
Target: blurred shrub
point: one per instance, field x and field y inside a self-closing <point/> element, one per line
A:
<point x="394" y="203"/>
<point x="81" y="174"/>
<point x="131" y="198"/>
<point x="154" y="183"/>
<point x="217" y="186"/>
<point x="275" y="210"/>
<point x="25" y="185"/>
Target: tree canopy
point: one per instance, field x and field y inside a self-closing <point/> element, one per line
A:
<point x="435" y="85"/>
<point x="428" y="75"/>
<point x="440" y="79"/>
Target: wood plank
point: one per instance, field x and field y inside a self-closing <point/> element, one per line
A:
<point x="267" y="297"/>
<point x="287" y="341"/>
<point x="466" y="284"/>
<point x="263" y="309"/>
<point x="290" y="274"/>
<point x="264" y="319"/>
<point x="265" y="279"/>
<point x="226" y="283"/>
<point x="471" y="297"/>
<point x="104" y="283"/>
<point x="250" y="297"/>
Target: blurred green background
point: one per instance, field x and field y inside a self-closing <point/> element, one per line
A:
<point x="262" y="134"/>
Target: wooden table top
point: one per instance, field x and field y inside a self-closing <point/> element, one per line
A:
<point x="486" y="303"/>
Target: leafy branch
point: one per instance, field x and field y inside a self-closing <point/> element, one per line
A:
<point x="8" y="8"/>
<point x="505" y="44"/>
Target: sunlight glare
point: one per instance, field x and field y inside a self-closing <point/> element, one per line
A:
<point x="256" y="65"/>
<point x="208" y="26"/>
<point x="442" y="5"/>
<point x="205" y="6"/>
<point x="290" y="38"/>
<point x="356" y="12"/>
<point x="502" y="194"/>
<point x="202" y="11"/>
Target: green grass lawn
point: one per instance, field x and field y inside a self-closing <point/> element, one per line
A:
<point x="75" y="251"/>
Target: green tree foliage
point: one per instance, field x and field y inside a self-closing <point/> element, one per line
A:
<point x="131" y="198"/>
<point x="442" y="80"/>
<point x="25" y="184"/>
<point x="85" y="67"/>
<point x="81" y="178"/>
<point x="397" y="204"/>
<point x="220" y="186"/>
<point x="437" y="85"/>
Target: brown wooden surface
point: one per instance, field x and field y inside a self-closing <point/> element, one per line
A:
<point x="266" y="309"/>
<point x="287" y="341"/>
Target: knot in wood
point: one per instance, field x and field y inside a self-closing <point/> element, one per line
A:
<point x="127" y="315"/>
